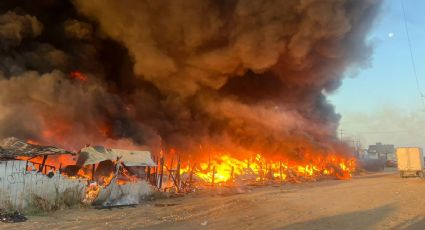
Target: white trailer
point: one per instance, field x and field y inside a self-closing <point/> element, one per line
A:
<point x="410" y="161"/>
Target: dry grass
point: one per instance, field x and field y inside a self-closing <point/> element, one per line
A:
<point x="37" y="204"/>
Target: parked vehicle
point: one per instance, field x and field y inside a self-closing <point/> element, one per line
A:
<point x="410" y="161"/>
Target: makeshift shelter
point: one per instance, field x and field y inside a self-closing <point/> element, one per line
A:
<point x="95" y="174"/>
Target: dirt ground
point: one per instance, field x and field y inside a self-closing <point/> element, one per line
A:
<point x="374" y="201"/>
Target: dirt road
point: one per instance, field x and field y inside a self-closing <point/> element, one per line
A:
<point x="377" y="201"/>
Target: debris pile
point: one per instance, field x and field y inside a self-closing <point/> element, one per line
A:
<point x="11" y="217"/>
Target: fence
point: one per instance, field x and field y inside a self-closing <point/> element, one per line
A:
<point x="25" y="190"/>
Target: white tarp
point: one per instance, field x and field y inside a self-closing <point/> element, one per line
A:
<point x="134" y="158"/>
<point x="96" y="154"/>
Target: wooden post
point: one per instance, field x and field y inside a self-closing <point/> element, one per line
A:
<point x="231" y="173"/>
<point x="148" y="174"/>
<point x="189" y="185"/>
<point x="178" y="173"/>
<point x="40" y="170"/>
<point x="161" y="173"/>
<point x="174" y="180"/>
<point x="280" y="172"/>
<point x="60" y="168"/>
<point x="92" y="171"/>
<point x="271" y="176"/>
<point x="156" y="171"/>
<point x="261" y="172"/>
<point x="171" y="168"/>
<point x="209" y="162"/>
<point x="26" y="167"/>
<point x="191" y="174"/>
<point x="213" y="176"/>
<point x="152" y="172"/>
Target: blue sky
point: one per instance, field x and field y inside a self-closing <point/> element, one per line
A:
<point x="385" y="94"/>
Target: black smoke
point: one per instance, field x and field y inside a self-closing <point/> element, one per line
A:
<point x="236" y="76"/>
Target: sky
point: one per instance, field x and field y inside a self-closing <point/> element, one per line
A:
<point x="382" y="102"/>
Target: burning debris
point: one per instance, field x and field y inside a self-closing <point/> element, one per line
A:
<point x="224" y="170"/>
<point x="116" y="176"/>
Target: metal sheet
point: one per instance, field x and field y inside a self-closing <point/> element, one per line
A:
<point x="12" y="147"/>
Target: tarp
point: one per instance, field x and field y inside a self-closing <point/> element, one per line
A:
<point x="134" y="158"/>
<point x="95" y="154"/>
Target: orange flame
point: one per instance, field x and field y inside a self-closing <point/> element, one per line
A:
<point x="77" y="75"/>
<point x="226" y="169"/>
<point x="33" y="142"/>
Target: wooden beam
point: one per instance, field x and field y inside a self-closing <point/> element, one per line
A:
<point x="171" y="168"/>
<point x="178" y="172"/>
<point x="191" y="174"/>
<point x="148" y="173"/>
<point x="161" y="172"/>
<point x="213" y="176"/>
<point x="40" y="169"/>
<point x="231" y="173"/>
<point x="92" y="171"/>
<point x="174" y="180"/>
<point x="280" y="172"/>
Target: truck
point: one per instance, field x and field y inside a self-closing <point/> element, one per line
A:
<point x="410" y="161"/>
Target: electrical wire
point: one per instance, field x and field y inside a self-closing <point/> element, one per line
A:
<point x="412" y="59"/>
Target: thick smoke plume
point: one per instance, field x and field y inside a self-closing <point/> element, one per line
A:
<point x="238" y="76"/>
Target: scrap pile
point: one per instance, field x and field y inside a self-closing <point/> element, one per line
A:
<point x="11" y="217"/>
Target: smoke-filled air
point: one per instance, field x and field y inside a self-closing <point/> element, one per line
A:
<point x="246" y="76"/>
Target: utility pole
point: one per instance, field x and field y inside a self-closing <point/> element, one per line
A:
<point x="341" y="132"/>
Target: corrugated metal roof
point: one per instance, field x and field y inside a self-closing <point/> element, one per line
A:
<point x="11" y="148"/>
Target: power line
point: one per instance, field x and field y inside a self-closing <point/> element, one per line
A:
<point x="395" y="131"/>
<point x="412" y="59"/>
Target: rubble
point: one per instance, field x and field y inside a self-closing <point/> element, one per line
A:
<point x="11" y="217"/>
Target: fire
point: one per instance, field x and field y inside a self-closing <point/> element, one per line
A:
<point x="126" y="177"/>
<point x="59" y="162"/>
<point x="77" y="75"/>
<point x="92" y="191"/>
<point x="95" y="187"/>
<point x="220" y="169"/>
<point x="53" y="162"/>
<point x="226" y="168"/>
<point x="33" y="142"/>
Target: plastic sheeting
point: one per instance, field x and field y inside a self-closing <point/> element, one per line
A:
<point x="96" y="154"/>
